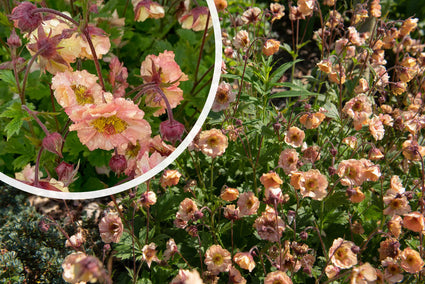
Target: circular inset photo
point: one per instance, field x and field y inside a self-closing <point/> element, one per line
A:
<point x="97" y="99"/>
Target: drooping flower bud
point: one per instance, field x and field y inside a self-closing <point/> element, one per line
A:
<point x="118" y="164"/>
<point x="24" y="17"/>
<point x="171" y="130"/>
<point x="53" y="143"/>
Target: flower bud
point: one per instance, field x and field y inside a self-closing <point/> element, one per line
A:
<point x="331" y="171"/>
<point x="148" y="198"/>
<point x="118" y="164"/>
<point x="24" y="17"/>
<point x="304" y="235"/>
<point x="53" y="143"/>
<point x="66" y="173"/>
<point x="355" y="249"/>
<point x="198" y="215"/>
<point x="43" y="226"/>
<point x="171" y="130"/>
<point x="13" y="40"/>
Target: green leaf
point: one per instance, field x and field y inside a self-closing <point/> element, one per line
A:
<point x="296" y="91"/>
<point x="278" y="73"/>
<point x="4" y="20"/>
<point x="18" y="115"/>
<point x="332" y="111"/>
<point x="7" y="77"/>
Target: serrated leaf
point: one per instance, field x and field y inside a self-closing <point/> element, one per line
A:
<point x="18" y="115"/>
<point x="7" y="77"/>
<point x="332" y="111"/>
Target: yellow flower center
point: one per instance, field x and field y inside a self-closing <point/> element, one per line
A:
<point x="109" y="125"/>
<point x="212" y="142"/>
<point x="218" y="259"/>
<point x="310" y="185"/>
<point x="83" y="97"/>
<point x="133" y="150"/>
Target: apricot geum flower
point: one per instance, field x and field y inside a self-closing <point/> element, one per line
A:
<point x="76" y="89"/>
<point x="217" y="259"/>
<point x="108" y="125"/>
<point x="165" y="73"/>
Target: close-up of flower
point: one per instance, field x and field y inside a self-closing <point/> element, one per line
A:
<point x="217" y="259"/>
<point x="212" y="142"/>
<point x="111" y="228"/>
<point x="109" y="125"/>
<point x="163" y="71"/>
<point x="341" y="254"/>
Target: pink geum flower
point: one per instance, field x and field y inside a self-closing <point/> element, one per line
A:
<point x="187" y="277"/>
<point x="269" y="226"/>
<point x="359" y="109"/>
<point x="352" y="172"/>
<point x="187" y="209"/>
<point x="217" y="259"/>
<point x="27" y="175"/>
<point x="223" y="97"/>
<point x="411" y="261"/>
<point x="111" y="228"/>
<point x="313" y="184"/>
<point x="110" y="125"/>
<point x="341" y="254"/>
<point x="56" y="45"/>
<point x="376" y="128"/>
<point x="196" y="19"/>
<point x="288" y="160"/>
<point x="144" y="9"/>
<point x="213" y="142"/>
<point x="78" y="88"/>
<point x="363" y="274"/>
<point x="118" y="75"/>
<point x="149" y="254"/>
<point x="81" y="268"/>
<point x="167" y="75"/>
<point x="248" y="204"/>
<point x="277" y="277"/>
<point x="294" y="136"/>
<point x="145" y="163"/>
<point x="100" y="42"/>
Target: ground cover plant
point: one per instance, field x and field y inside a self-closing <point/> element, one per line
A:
<point x="308" y="170"/>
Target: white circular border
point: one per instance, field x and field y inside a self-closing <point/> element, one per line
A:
<point x="167" y="161"/>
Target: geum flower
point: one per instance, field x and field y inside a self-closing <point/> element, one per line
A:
<point x="217" y="259"/>
<point x="341" y="254"/>
<point x="75" y="89"/>
<point x="196" y="19"/>
<point x="162" y="72"/>
<point x="109" y="125"/>
<point x="47" y="47"/>
<point x="147" y="9"/>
